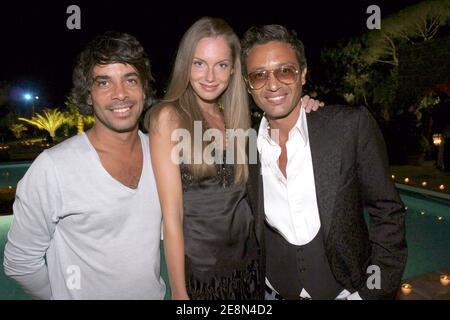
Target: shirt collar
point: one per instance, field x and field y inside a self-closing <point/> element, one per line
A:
<point x="300" y="126"/>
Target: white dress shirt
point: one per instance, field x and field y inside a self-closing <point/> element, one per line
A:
<point x="290" y="203"/>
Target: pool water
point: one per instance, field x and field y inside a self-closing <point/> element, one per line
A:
<point x="8" y="287"/>
<point x="427" y="233"/>
<point x="11" y="173"/>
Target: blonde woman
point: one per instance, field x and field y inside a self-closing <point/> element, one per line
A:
<point x="211" y="248"/>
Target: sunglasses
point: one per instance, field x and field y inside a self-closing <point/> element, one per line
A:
<point x="285" y="74"/>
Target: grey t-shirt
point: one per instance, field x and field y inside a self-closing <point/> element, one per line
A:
<point x="78" y="233"/>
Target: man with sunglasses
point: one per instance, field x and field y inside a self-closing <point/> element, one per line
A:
<point x="318" y="173"/>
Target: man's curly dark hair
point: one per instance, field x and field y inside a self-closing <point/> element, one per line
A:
<point x="110" y="47"/>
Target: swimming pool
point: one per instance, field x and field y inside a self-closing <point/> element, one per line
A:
<point x="12" y="172"/>
<point x="427" y="232"/>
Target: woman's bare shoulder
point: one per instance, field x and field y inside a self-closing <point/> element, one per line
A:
<point x="164" y="115"/>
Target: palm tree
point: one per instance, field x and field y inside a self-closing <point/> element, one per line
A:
<point x="17" y="129"/>
<point x="74" y="118"/>
<point x="50" y="121"/>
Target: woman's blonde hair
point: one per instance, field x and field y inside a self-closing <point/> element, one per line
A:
<point x="234" y="99"/>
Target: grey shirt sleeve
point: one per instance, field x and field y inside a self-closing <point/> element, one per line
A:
<point x="36" y="209"/>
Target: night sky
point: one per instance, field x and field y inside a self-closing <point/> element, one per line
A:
<point x="39" y="52"/>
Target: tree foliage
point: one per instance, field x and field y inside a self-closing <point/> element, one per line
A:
<point x="364" y="70"/>
<point x="17" y="129"/>
<point x="417" y="23"/>
<point x="74" y="118"/>
<point x="50" y="121"/>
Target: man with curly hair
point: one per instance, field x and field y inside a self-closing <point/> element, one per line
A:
<point x="87" y="219"/>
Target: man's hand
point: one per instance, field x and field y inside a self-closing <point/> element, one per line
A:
<point x="310" y="104"/>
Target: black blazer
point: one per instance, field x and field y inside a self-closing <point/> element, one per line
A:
<point x="351" y="172"/>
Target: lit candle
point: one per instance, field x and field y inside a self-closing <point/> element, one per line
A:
<point x="406" y="180"/>
<point x="445" y="280"/>
<point x="393" y="177"/>
<point x="439" y="218"/>
<point x="441" y="187"/>
<point x="406" y="288"/>
<point x="424" y="183"/>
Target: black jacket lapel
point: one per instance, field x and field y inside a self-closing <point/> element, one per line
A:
<point x="326" y="160"/>
<point x="256" y="197"/>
